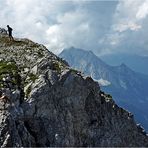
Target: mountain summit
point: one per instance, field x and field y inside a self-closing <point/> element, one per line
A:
<point x="46" y="103"/>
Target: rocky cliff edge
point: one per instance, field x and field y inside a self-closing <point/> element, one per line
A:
<point x="47" y="103"/>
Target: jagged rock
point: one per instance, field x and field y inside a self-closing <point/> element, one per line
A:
<point x="3" y="32"/>
<point x="127" y="87"/>
<point x="54" y="105"/>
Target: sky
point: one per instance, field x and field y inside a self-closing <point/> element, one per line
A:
<point x="104" y="27"/>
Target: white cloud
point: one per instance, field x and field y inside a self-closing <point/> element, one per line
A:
<point x="101" y="26"/>
<point x="70" y="29"/>
<point x="28" y="18"/>
<point x="125" y="16"/>
<point x="128" y="32"/>
<point x="58" y="24"/>
<point x="143" y="11"/>
<point x="130" y="25"/>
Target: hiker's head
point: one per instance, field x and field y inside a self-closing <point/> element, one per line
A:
<point x="7" y="25"/>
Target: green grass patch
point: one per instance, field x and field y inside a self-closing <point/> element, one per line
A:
<point x="11" y="70"/>
<point x="28" y="91"/>
<point x="74" y="71"/>
<point x="7" y="67"/>
<point x="32" y="77"/>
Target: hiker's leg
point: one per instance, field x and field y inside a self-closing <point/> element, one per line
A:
<point x="12" y="38"/>
<point x="9" y="38"/>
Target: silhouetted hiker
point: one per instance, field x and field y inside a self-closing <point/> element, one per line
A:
<point x="10" y="33"/>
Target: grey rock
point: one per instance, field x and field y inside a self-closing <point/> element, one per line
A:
<point x="3" y="31"/>
<point x="53" y="105"/>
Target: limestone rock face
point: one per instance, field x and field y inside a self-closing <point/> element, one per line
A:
<point x="50" y="104"/>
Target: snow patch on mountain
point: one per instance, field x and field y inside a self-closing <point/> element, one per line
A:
<point x="103" y="82"/>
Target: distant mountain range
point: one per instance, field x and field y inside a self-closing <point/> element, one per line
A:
<point x="130" y="60"/>
<point x="128" y="88"/>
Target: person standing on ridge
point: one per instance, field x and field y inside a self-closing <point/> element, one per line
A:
<point x="10" y="33"/>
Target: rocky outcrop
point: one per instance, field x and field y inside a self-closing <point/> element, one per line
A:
<point x="128" y="88"/>
<point x="3" y="32"/>
<point x="51" y="104"/>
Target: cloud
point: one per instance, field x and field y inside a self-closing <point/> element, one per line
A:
<point x="31" y="18"/>
<point x="128" y="15"/>
<point x="28" y="18"/>
<point x="59" y="24"/>
<point x="101" y="26"/>
<point x="130" y="25"/>
<point x="128" y="32"/>
<point x="71" y="28"/>
<point x="143" y="11"/>
<point x="80" y="27"/>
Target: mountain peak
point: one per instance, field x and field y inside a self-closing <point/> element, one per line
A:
<point x="75" y="54"/>
<point x="123" y="65"/>
<point x="74" y="49"/>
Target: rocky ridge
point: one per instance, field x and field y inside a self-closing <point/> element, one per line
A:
<point x="128" y="88"/>
<point x="51" y="104"/>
